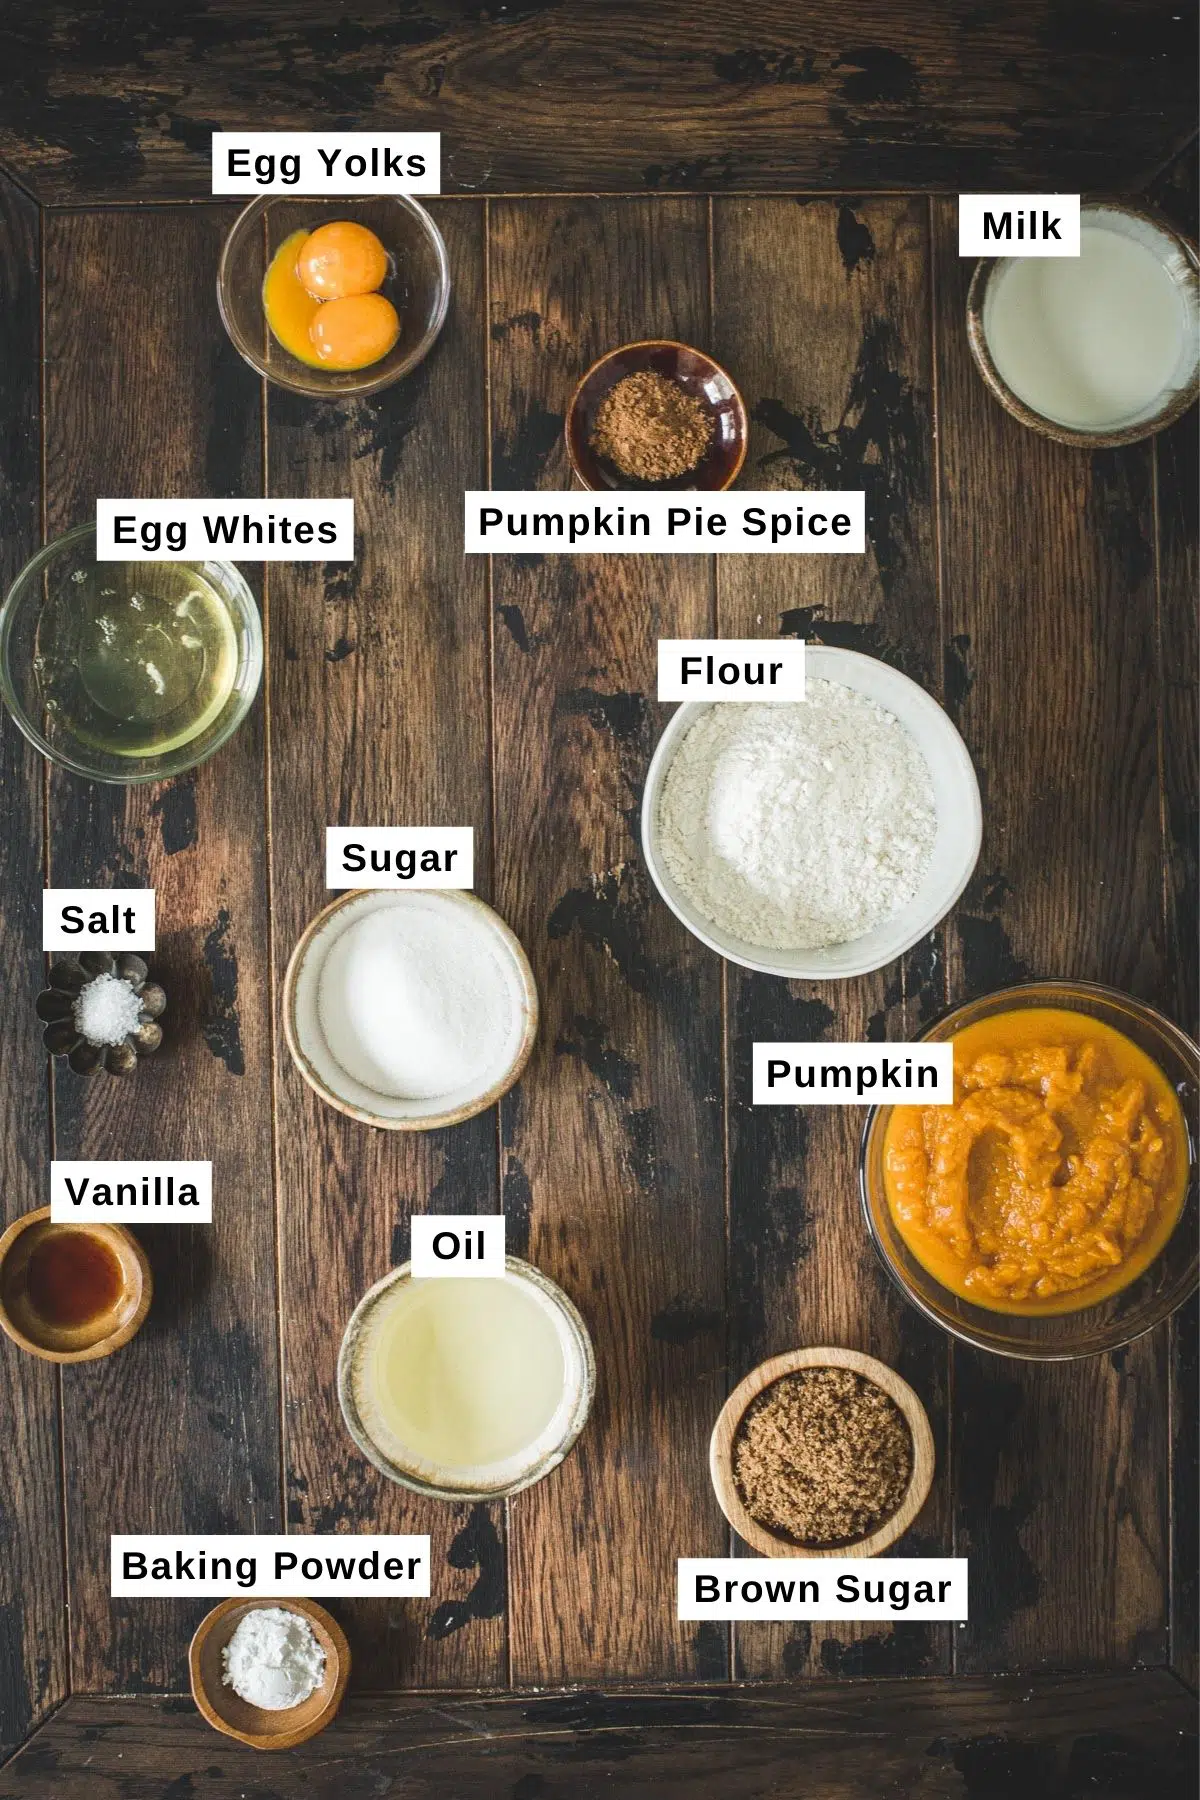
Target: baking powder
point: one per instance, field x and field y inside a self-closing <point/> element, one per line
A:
<point x="273" y="1659"/>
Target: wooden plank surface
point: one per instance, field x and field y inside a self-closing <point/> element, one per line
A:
<point x="180" y="1430"/>
<point x="1048" y="557"/>
<point x="34" y="1664"/>
<point x="613" y="1159"/>
<point x="1062" y="645"/>
<point x="1128" y="1737"/>
<point x="595" y="95"/>
<point x="1177" y="488"/>
<point x="379" y="716"/>
<point x="822" y="315"/>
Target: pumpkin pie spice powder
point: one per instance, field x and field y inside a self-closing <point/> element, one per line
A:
<point x="651" y="428"/>
<point x="822" y="1457"/>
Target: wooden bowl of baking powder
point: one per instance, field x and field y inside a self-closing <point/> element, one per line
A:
<point x="258" y="1726"/>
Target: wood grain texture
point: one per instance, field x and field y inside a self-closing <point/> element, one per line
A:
<point x="1064" y="650"/>
<point x="33" y="1640"/>
<point x="612" y="1149"/>
<point x="1048" y="556"/>
<point x="1129" y="1737"/>
<point x="379" y="716"/>
<point x="1177" y="488"/>
<point x="822" y="316"/>
<point x="595" y="95"/>
<point x="179" y="1432"/>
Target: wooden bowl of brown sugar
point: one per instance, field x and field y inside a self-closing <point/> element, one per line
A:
<point x="657" y="415"/>
<point x="822" y="1452"/>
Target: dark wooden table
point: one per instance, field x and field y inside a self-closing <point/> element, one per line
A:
<point x="1047" y="597"/>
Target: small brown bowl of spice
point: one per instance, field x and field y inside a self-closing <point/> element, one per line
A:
<point x="657" y="415"/>
<point x="71" y="1293"/>
<point x="822" y="1452"/>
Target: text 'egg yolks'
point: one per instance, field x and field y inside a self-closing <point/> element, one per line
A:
<point x="351" y="333"/>
<point x="341" y="259"/>
<point x="289" y="307"/>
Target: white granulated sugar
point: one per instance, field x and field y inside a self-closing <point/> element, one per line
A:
<point x="273" y="1659"/>
<point x="798" y="826"/>
<point x="414" y="1002"/>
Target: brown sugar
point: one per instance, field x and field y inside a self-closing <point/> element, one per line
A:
<point x="822" y="1457"/>
<point x="651" y="428"/>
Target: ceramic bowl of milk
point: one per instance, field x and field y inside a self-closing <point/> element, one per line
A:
<point x="1098" y="349"/>
<point x="466" y="1389"/>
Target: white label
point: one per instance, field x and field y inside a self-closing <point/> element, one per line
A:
<point x="388" y="856"/>
<point x="82" y="919"/>
<point x="146" y="1193"/>
<point x="1018" y="224"/>
<point x="629" y="524"/>
<point x="853" y="1074"/>
<point x="463" y="1245"/>
<point x="326" y="162"/>
<point x="246" y="530"/>
<point x="730" y="669"/>
<point x="836" y="1587"/>
<point x="279" y="1566"/>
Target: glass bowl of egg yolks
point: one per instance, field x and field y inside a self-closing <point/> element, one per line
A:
<point x="333" y="298"/>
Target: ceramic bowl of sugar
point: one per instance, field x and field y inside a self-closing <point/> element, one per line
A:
<point x="409" y="1010"/>
<point x="815" y="840"/>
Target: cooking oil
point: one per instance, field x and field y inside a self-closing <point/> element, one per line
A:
<point x="135" y="659"/>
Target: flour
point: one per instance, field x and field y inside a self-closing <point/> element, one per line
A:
<point x="795" y="827"/>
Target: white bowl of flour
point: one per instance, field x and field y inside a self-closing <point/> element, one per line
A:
<point x="816" y="840"/>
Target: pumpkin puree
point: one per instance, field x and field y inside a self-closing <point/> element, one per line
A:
<point x="1056" y="1176"/>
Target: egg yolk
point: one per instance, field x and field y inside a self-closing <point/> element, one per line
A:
<point x="341" y="259"/>
<point x="289" y="307"/>
<point x="356" y="331"/>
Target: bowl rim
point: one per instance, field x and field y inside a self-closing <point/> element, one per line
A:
<point x="1173" y="409"/>
<point x="664" y="751"/>
<point x="326" y="1626"/>
<point x="252" y="662"/>
<point x="720" y="1451"/>
<point x="349" y="390"/>
<point x="659" y="343"/>
<point x="132" y="1257"/>
<point x="455" y="1115"/>
<point x="1031" y="1351"/>
<point x="581" y="1412"/>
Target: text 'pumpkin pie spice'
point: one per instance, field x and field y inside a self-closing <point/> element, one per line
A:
<point x="651" y="428"/>
<point x="822" y="1457"/>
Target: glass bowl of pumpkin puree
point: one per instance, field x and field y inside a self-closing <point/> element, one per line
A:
<point x="1051" y="1211"/>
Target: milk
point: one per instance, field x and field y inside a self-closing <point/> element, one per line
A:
<point x="1091" y="341"/>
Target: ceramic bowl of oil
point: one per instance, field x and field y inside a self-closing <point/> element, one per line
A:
<point x="466" y="1389"/>
<point x="127" y="671"/>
